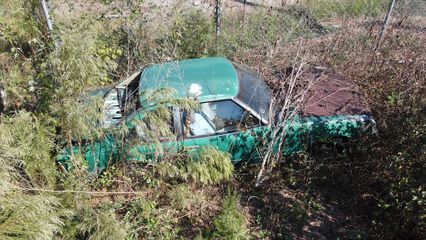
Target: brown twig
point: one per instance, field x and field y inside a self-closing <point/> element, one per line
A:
<point x="77" y="191"/>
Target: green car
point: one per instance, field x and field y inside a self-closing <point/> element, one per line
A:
<point x="235" y="114"/>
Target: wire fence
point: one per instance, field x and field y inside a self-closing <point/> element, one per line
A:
<point x="330" y="8"/>
<point x="273" y="22"/>
<point x="241" y="26"/>
<point x="328" y="11"/>
<point x="296" y="14"/>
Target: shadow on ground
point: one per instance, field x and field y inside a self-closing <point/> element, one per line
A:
<point x="283" y="210"/>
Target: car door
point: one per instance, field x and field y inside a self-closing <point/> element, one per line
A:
<point x="225" y="125"/>
<point x="145" y="143"/>
<point x="198" y="130"/>
<point x="243" y="132"/>
<point x="242" y="145"/>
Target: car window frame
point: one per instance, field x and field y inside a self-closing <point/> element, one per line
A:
<point x="248" y="77"/>
<point x="260" y="122"/>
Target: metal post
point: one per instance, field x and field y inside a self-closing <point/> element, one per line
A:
<point x="2" y="98"/>
<point x="46" y="15"/>
<point x="385" y="24"/>
<point x="217" y="17"/>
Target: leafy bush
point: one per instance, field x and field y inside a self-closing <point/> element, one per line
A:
<point x="23" y="47"/>
<point x="18" y="83"/>
<point x="81" y="120"/>
<point x="210" y="166"/>
<point x="182" y="197"/>
<point x="19" y="22"/>
<point x="25" y="163"/>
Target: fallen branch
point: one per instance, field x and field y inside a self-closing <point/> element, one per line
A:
<point x="77" y="191"/>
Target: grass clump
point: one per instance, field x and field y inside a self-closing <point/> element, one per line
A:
<point x="347" y="8"/>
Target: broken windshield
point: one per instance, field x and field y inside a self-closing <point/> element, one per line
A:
<point x="253" y="91"/>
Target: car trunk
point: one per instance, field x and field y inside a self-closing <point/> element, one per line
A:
<point x="333" y="94"/>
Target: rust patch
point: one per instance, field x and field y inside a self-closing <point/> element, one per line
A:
<point x="332" y="94"/>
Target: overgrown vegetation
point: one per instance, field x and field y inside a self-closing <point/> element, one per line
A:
<point x="375" y="189"/>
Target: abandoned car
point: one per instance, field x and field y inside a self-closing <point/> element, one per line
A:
<point x="235" y="113"/>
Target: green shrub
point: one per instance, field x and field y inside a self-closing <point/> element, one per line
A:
<point x="17" y="79"/>
<point x="230" y="224"/>
<point x="206" y="166"/>
<point x="26" y="142"/>
<point x="76" y="65"/>
<point x="19" y="22"/>
<point x="192" y="33"/>
<point x="23" y="47"/>
<point x="96" y="224"/>
<point x="80" y="121"/>
<point x="25" y="216"/>
<point x="210" y="166"/>
<point x="149" y="221"/>
<point x="184" y="198"/>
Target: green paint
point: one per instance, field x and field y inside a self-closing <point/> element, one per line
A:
<point x="243" y="146"/>
<point x="216" y="78"/>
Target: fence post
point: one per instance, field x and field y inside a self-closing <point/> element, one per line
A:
<point x="2" y="98"/>
<point x="217" y="17"/>
<point x="385" y="25"/>
<point x="46" y="15"/>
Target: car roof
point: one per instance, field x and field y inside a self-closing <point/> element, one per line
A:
<point x="213" y="78"/>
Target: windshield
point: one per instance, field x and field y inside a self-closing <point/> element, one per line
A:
<point x="253" y="91"/>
